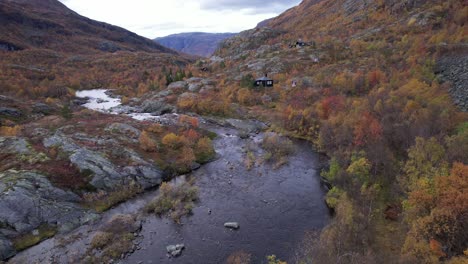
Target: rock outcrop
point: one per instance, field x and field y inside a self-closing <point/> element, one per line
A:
<point x="28" y="200"/>
<point x="454" y="69"/>
<point x="105" y="174"/>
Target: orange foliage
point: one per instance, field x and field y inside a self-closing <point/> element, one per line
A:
<point x="147" y="143"/>
<point x="367" y="129"/>
<point x="188" y="120"/>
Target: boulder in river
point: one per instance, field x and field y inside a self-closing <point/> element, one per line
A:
<point x="232" y="225"/>
<point x="175" y="250"/>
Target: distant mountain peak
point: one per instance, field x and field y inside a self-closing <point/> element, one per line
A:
<point x="194" y="43"/>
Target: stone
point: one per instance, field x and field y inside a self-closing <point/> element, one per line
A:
<point x="14" y="145"/>
<point x="454" y="69"/>
<point x="105" y="174"/>
<point x="246" y="126"/>
<point x="29" y="200"/>
<point x="123" y="129"/>
<point x="6" y="249"/>
<point x="232" y="225"/>
<point x="41" y="108"/>
<point x="10" y="112"/>
<point x="178" y="85"/>
<point x="175" y="250"/>
<point x="156" y="107"/>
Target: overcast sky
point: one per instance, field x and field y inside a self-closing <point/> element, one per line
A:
<point x="157" y="18"/>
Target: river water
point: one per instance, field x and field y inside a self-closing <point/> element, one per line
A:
<point x="274" y="207"/>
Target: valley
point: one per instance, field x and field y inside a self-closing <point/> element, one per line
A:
<point x="115" y="149"/>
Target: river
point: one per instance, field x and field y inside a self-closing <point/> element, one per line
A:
<point x="274" y="208"/>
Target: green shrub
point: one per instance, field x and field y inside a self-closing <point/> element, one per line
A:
<point x="174" y="201"/>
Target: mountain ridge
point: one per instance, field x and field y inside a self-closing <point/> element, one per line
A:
<point x="194" y="43"/>
<point x="50" y="24"/>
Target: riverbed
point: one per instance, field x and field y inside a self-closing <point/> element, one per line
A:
<point x="274" y="208"/>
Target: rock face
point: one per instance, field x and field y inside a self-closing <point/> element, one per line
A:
<point x="454" y="69"/>
<point x="105" y="174"/>
<point x="6" y="248"/>
<point x="28" y="200"/>
<point x="125" y="132"/>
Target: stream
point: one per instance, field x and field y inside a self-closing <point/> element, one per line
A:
<point x="274" y="207"/>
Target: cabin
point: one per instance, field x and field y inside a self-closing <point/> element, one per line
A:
<point x="264" y="82"/>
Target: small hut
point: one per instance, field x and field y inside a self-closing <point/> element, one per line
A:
<point x="264" y="81"/>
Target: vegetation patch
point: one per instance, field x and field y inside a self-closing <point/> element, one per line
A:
<point x="277" y="149"/>
<point x="174" y="201"/>
<point x="114" y="239"/>
<point x="101" y="200"/>
<point x="28" y="240"/>
<point x="239" y="257"/>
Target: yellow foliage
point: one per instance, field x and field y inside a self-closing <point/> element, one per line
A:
<point x="10" y="131"/>
<point x="147" y="143"/>
<point x="173" y="141"/>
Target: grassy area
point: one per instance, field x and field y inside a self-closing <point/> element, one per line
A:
<point x="28" y="240"/>
<point x="113" y="240"/>
<point x="174" y="200"/>
<point x="102" y="201"/>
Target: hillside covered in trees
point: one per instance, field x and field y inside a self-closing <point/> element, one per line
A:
<point x="368" y="91"/>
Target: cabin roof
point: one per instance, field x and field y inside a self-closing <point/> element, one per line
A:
<point x="264" y="79"/>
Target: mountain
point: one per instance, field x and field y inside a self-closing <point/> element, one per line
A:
<point x="47" y="47"/>
<point x="195" y="43"/>
<point x="26" y="24"/>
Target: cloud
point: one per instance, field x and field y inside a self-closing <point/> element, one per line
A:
<point x="258" y="5"/>
<point x="157" y="18"/>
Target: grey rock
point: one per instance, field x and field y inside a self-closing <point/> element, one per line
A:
<point x="6" y="99"/>
<point x="248" y="126"/>
<point x="454" y="69"/>
<point x="232" y="225"/>
<point x="109" y="46"/>
<point x="178" y="85"/>
<point x="156" y="107"/>
<point x="147" y="176"/>
<point x="80" y="101"/>
<point x="14" y="145"/>
<point x="10" y="112"/>
<point x="194" y="80"/>
<point x="123" y="129"/>
<point x="41" y="108"/>
<point x="6" y="248"/>
<point x="60" y="140"/>
<point x="29" y="200"/>
<point x="195" y="87"/>
<point x="107" y="175"/>
<point x="175" y="250"/>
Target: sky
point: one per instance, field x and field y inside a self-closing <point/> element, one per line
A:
<point x="158" y="18"/>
